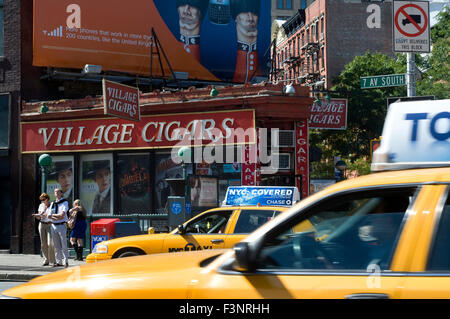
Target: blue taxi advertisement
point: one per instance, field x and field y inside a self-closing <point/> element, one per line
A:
<point x="262" y="196"/>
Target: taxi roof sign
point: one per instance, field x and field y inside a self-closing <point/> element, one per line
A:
<point x="261" y="195"/>
<point x="415" y="134"/>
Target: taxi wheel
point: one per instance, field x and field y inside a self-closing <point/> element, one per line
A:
<point x="129" y="253"/>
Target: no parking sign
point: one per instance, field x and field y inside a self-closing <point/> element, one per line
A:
<point x="411" y="24"/>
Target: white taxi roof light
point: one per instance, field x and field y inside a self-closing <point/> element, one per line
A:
<point x="261" y="196"/>
<point x="415" y="135"/>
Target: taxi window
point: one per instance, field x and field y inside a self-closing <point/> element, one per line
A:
<point x="353" y="231"/>
<point x="440" y="255"/>
<point x="212" y="223"/>
<point x="251" y="219"/>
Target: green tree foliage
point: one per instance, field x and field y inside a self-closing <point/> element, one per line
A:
<point x="435" y="79"/>
<point x="366" y="107"/>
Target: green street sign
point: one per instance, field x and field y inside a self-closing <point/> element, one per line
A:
<point x="380" y="81"/>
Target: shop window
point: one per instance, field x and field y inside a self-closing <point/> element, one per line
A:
<point x="96" y="180"/>
<point x="203" y="191"/>
<point x="60" y="175"/>
<point x="135" y="189"/>
<point x="4" y="119"/>
<point x="166" y="168"/>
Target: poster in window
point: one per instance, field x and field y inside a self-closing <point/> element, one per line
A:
<point x="166" y="168"/>
<point x="203" y="191"/>
<point x="134" y="183"/>
<point x="60" y="175"/>
<point x="96" y="192"/>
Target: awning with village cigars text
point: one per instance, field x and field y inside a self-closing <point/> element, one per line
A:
<point x="156" y="131"/>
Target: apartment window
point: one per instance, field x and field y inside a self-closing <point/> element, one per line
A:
<point x="313" y="31"/>
<point x="317" y="31"/>
<point x="284" y="4"/>
<point x="307" y="35"/>
<point x="321" y="28"/>
<point x="1" y="28"/>
<point x="289" y="4"/>
<point x="322" y="53"/>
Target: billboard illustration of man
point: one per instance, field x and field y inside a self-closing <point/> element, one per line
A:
<point x="246" y="16"/>
<point x="101" y="173"/>
<point x="191" y="14"/>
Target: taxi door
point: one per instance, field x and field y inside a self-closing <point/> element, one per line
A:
<point x="356" y="250"/>
<point x="429" y="266"/>
<point x="206" y="231"/>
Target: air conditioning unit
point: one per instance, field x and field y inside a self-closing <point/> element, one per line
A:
<point x="284" y="138"/>
<point x="281" y="163"/>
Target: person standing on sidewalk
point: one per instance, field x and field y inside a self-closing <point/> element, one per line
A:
<point x="78" y="232"/>
<point x="59" y="209"/>
<point x="45" y="225"/>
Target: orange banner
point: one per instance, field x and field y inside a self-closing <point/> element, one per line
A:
<point x="115" y="34"/>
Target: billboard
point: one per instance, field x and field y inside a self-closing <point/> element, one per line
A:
<point x="210" y="40"/>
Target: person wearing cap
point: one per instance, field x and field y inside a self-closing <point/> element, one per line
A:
<point x="45" y="225"/>
<point x="58" y="216"/>
<point x="246" y="16"/>
<point x="102" y="176"/>
<point x="191" y="14"/>
<point x="63" y="173"/>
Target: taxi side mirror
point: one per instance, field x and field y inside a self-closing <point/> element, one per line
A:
<point x="181" y="229"/>
<point x="151" y="230"/>
<point x="243" y="255"/>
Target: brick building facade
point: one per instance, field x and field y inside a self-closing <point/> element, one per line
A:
<point x="315" y="44"/>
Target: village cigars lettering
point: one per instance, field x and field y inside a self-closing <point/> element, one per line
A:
<point x="150" y="132"/>
<point x="121" y="100"/>
<point x="329" y="114"/>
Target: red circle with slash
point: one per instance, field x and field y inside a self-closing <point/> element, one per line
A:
<point x="421" y="29"/>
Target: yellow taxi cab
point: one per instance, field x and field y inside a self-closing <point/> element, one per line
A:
<point x="245" y="209"/>
<point x="383" y="235"/>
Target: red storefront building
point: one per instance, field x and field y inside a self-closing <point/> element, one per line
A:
<point x="141" y="155"/>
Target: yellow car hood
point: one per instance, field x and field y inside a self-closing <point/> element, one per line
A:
<point x="150" y="276"/>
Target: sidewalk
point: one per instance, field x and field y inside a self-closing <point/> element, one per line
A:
<point x="20" y="267"/>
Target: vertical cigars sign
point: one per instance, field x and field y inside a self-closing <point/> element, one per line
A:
<point x="121" y="100"/>
<point x="302" y="158"/>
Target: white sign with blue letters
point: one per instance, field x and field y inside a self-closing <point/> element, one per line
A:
<point x="415" y="134"/>
<point x="261" y="195"/>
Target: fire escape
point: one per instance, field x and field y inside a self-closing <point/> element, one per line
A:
<point x="310" y="52"/>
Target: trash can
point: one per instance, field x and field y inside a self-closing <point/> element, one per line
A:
<point x="102" y="229"/>
<point x="126" y="229"/>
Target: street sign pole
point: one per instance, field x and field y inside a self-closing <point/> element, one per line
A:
<point x="410" y="74"/>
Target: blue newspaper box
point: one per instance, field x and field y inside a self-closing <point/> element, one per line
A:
<point x="127" y="229"/>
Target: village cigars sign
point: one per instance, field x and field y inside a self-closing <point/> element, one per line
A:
<point x="330" y="114"/>
<point x="121" y="100"/>
<point x="158" y="131"/>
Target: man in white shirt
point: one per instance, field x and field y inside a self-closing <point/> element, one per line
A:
<point x="58" y="210"/>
